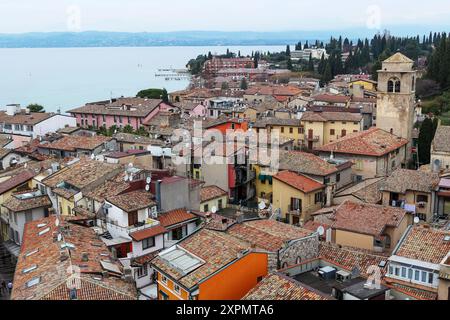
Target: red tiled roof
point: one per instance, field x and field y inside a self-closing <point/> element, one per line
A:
<point x="211" y="192"/>
<point x="366" y="218"/>
<point x="276" y="286"/>
<point x="299" y="182"/>
<point x="175" y="217"/>
<point x="425" y="244"/>
<point x="148" y="233"/>
<point x="372" y="142"/>
<point x="16" y="180"/>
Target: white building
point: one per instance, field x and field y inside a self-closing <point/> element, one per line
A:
<point x="22" y="122"/>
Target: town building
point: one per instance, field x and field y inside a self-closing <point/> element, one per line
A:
<point x="208" y="265"/>
<point x="213" y="197"/>
<point x="440" y="149"/>
<point x="413" y="190"/>
<point x="374" y="152"/>
<point x="321" y="128"/>
<point x="396" y="97"/>
<point x="365" y="226"/>
<point x="64" y="261"/>
<point x="419" y="265"/>
<point x="21" y="122"/>
<point x="118" y="112"/>
<point x="214" y="65"/>
<point x="77" y="146"/>
<point x="296" y="196"/>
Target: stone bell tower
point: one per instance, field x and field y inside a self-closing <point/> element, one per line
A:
<point x="396" y="97"/>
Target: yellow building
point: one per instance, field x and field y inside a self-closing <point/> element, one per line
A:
<point x="8" y="186"/>
<point x="365" y="226"/>
<point x="367" y="84"/>
<point x="296" y="196"/>
<point x="413" y="189"/>
<point x="213" y="197"/>
<point x="321" y="128"/>
<point x="287" y="128"/>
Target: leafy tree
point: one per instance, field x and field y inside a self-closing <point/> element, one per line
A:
<point x="34" y="107"/>
<point x="244" y="85"/>
<point x="128" y="129"/>
<point x="151" y="93"/>
<point x="142" y="132"/>
<point x="426" y="136"/>
<point x="310" y="63"/>
<point x="165" y="95"/>
<point x="112" y="130"/>
<point x="288" y="50"/>
<point x="289" y="64"/>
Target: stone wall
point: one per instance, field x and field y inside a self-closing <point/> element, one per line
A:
<point x="299" y="251"/>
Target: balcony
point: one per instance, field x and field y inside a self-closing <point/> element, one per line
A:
<point x="294" y="210"/>
<point x="142" y="225"/>
<point x="312" y="138"/>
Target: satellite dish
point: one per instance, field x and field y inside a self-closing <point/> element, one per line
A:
<point x="321" y="230"/>
<point x="214" y="209"/>
<point x="148" y="180"/>
<point x="416" y="220"/>
<point x="130" y="165"/>
<point x="147" y="188"/>
<point x="261" y="205"/>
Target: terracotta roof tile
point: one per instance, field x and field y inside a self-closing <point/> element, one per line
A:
<point x="366" y="218"/>
<point x="148" y="233"/>
<point x="72" y="143"/>
<point x="402" y="180"/>
<point x="372" y="142"/>
<point x="424" y="244"/>
<point x="174" y="217"/>
<point x="46" y="254"/>
<point x="211" y="192"/>
<point x="276" y="286"/>
<point x="298" y="181"/>
<point x="133" y="201"/>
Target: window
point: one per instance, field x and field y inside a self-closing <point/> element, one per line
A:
<point x="148" y="243"/>
<point x="422" y="198"/>
<point x="220" y="202"/>
<point x="301" y="130"/>
<point x="28" y="270"/>
<point x="338" y="177"/>
<point x="430" y="278"/>
<point x="332" y="132"/>
<point x="403" y="272"/>
<point x="291" y="130"/>
<point x="177" y="288"/>
<point x="282" y="129"/>
<point x="416" y="275"/>
<point x="142" y="271"/>
<point x="296" y="204"/>
<point x="410" y="274"/>
<point x="424" y="276"/>
<point x="394" y="85"/>
<point x="397" y="271"/>
<point x="318" y="197"/>
<point x="163" y="279"/>
<point x="206" y="208"/>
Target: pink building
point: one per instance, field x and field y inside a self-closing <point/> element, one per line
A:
<point x="119" y="112"/>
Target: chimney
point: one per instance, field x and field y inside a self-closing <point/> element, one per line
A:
<point x="329" y="191"/>
<point x="85" y="257"/>
<point x="158" y="194"/>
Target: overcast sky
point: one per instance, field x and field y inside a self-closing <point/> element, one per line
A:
<point x="224" y="15"/>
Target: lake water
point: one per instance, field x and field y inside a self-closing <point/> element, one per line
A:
<point x="66" y="78"/>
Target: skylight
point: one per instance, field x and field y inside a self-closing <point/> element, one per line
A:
<point x="27" y="270"/>
<point x="33" y="282"/>
<point x="67" y="245"/>
<point x="44" y="231"/>
<point x="41" y="225"/>
<point x="32" y="252"/>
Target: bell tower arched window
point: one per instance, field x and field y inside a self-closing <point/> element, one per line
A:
<point x="394" y="85"/>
